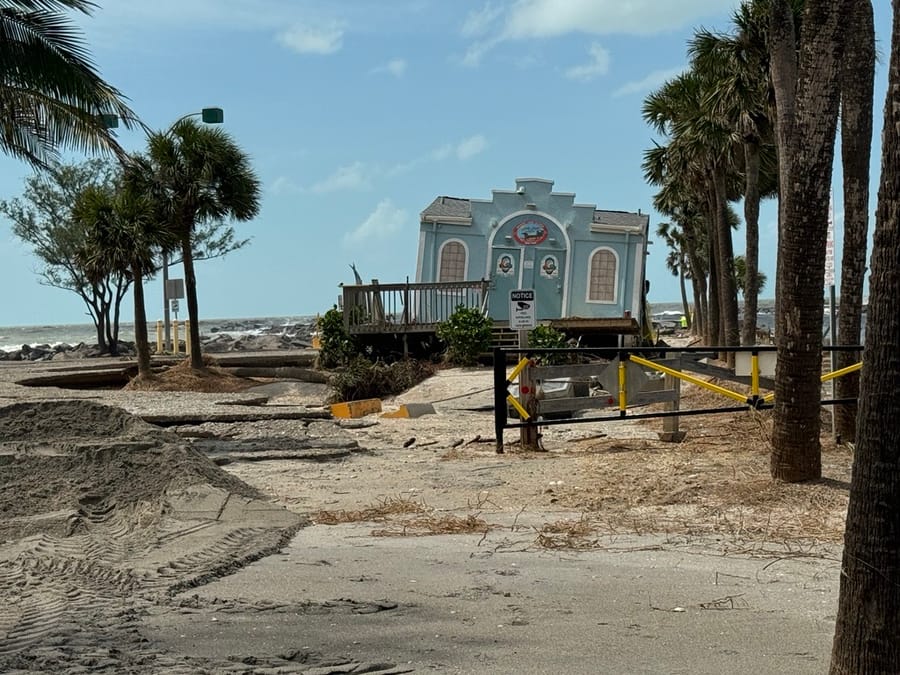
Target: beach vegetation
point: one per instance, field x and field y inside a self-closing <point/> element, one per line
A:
<point x="740" y="277"/>
<point x="338" y="347"/>
<point x="124" y="238"/>
<point x="466" y="334"/>
<point x="52" y="96"/>
<point x="42" y="218"/>
<point x="200" y="175"/>
<point x="363" y="378"/>
<point x="547" y="337"/>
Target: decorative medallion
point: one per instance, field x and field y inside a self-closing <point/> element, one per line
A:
<point x="550" y="267"/>
<point x="530" y="232"/>
<point x="505" y="265"/>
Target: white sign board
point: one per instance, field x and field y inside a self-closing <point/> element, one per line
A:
<point x="521" y="309"/>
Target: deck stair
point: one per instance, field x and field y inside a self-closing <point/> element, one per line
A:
<point x="501" y="336"/>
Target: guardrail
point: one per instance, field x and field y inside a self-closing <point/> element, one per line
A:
<point x="625" y="378"/>
<point x="406" y="307"/>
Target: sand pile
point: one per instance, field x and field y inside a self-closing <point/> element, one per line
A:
<point x="103" y="516"/>
<point x="59" y="457"/>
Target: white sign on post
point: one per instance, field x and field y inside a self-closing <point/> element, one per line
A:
<point x="521" y="309"/>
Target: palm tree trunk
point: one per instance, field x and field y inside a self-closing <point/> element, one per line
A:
<point x="796" y="449"/>
<point x="683" y="286"/>
<point x="141" y="342"/>
<point x="867" y="638"/>
<point x="713" y="326"/>
<point x="698" y="321"/>
<point x="783" y="68"/>
<point x="751" y="255"/>
<point x="727" y="285"/>
<point x="857" y="83"/>
<point x="190" y="290"/>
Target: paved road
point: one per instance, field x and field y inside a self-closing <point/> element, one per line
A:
<point x="463" y="604"/>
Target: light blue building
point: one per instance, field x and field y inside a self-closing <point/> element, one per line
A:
<point x="581" y="261"/>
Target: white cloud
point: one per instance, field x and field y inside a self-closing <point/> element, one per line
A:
<point x="465" y="149"/>
<point x="385" y="221"/>
<point x="530" y="19"/>
<point x="551" y="18"/>
<point x="395" y="67"/>
<point x="652" y="81"/>
<point x="352" y="177"/>
<point x="468" y="148"/>
<point x="306" y="39"/>
<point x="479" y="22"/>
<point x="283" y="186"/>
<point x="598" y="65"/>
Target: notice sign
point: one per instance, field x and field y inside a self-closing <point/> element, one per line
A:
<point x="521" y="309"/>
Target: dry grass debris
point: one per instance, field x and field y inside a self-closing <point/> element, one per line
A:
<point x="396" y="511"/>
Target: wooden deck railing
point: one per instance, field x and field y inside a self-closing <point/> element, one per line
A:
<point x="408" y="308"/>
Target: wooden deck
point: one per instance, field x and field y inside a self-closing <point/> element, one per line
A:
<point x="408" y="308"/>
<point x="416" y="309"/>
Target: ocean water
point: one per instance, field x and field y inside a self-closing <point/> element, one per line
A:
<point x="14" y="337"/>
<point x="765" y="318"/>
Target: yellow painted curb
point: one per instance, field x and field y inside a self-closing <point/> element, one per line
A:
<point x="354" y="409"/>
<point x="411" y="410"/>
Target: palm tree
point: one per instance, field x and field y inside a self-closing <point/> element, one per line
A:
<point x="51" y="96"/>
<point x="866" y="633"/>
<point x="700" y="145"/>
<point x="857" y="83"/>
<point x="740" y="276"/>
<point x="676" y="260"/>
<point x="200" y="175"/>
<point x="737" y="64"/>
<point x="125" y="236"/>
<point x="808" y="95"/>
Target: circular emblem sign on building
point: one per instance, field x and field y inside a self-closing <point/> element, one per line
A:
<point x="530" y="232"/>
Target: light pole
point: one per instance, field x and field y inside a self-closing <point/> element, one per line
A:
<point x="207" y="116"/>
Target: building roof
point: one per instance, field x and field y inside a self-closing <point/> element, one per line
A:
<point x="456" y="207"/>
<point x="448" y="207"/>
<point x="620" y="218"/>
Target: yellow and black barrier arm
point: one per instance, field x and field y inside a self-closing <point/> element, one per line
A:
<point x="833" y="375"/>
<point x="737" y="396"/>
<point x="502" y="396"/>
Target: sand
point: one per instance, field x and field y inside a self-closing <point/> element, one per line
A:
<point x="291" y="543"/>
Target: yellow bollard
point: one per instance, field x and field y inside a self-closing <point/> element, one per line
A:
<point x="159" y="337"/>
<point x="176" y="345"/>
<point x="187" y="337"/>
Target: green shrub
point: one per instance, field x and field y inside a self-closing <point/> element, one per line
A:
<point x="467" y="334"/>
<point x="547" y="337"/>
<point x="337" y="346"/>
<point x="362" y="378"/>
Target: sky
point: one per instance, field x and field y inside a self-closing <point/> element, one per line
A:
<point x="356" y="114"/>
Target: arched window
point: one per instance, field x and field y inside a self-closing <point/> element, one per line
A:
<point x="603" y="276"/>
<point x="452" y="262"/>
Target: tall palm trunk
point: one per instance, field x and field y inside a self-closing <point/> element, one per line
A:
<point x="751" y="255"/>
<point x="727" y="285"/>
<point x="682" y="261"/>
<point x="141" y="342"/>
<point x="698" y="280"/>
<point x="857" y="84"/>
<point x="190" y="291"/>
<point x="783" y="69"/>
<point x="698" y="321"/>
<point x="796" y="449"/>
<point x="867" y="634"/>
<point x="713" y="315"/>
